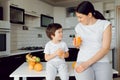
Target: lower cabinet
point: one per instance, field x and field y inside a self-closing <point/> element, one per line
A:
<point x="72" y="54"/>
<point x="8" y="65"/>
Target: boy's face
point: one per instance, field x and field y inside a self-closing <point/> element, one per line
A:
<point x="58" y="35"/>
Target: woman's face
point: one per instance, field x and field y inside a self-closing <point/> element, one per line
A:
<point x="84" y="19"/>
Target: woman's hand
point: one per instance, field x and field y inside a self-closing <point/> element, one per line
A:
<point x="74" y="43"/>
<point x="77" y="42"/>
<point x="83" y="66"/>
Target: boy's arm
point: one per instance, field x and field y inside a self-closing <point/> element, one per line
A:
<point x="50" y="56"/>
<point x="66" y="55"/>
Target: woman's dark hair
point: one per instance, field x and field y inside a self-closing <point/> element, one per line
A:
<point x="87" y="7"/>
<point x="52" y="28"/>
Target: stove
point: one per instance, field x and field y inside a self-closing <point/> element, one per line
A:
<point x="31" y="48"/>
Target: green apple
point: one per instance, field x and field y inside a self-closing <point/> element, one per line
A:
<point x="37" y="59"/>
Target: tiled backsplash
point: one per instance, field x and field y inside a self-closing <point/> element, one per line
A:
<point x="24" y="38"/>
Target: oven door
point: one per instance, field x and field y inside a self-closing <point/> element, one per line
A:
<point x="4" y="42"/>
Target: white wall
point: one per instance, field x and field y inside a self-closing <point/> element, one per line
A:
<point x="24" y="38"/>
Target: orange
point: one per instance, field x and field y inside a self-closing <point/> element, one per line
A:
<point x="32" y="63"/>
<point x="30" y="67"/>
<point x="73" y="64"/>
<point x="38" y="67"/>
<point x="61" y="54"/>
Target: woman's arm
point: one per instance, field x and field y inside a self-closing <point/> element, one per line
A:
<point x="105" y="46"/>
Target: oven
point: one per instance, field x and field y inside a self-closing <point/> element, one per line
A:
<point x="4" y="38"/>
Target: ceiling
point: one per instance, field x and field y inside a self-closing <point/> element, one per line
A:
<point x="68" y="3"/>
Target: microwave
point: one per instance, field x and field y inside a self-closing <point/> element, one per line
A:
<point x="17" y="15"/>
<point x="4" y="38"/>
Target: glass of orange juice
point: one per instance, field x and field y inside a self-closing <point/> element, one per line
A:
<point x="77" y="41"/>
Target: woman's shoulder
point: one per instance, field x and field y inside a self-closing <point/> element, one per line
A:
<point x="78" y="26"/>
<point x="103" y="21"/>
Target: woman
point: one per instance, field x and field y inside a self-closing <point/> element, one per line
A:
<point x="95" y="32"/>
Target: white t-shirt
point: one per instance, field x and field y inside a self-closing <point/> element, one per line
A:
<point x="50" y="48"/>
<point x="91" y="39"/>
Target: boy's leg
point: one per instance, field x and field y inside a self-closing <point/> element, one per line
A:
<point x="63" y="71"/>
<point x="51" y="71"/>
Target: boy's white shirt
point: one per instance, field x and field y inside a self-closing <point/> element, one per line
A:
<point x="50" y="48"/>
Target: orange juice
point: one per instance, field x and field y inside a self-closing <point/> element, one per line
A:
<point x="77" y="41"/>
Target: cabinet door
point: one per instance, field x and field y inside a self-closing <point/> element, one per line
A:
<point x="31" y="10"/>
<point x="59" y="15"/>
<point x="71" y="22"/>
<point x="73" y="52"/>
<point x="5" y="69"/>
<point x="16" y="61"/>
<point x="17" y="3"/>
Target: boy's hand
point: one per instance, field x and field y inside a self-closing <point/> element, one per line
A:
<point x="60" y="53"/>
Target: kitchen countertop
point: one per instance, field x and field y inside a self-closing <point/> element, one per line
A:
<point x="17" y="52"/>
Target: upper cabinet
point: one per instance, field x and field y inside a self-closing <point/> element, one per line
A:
<point x="71" y="19"/>
<point x="25" y="4"/>
<point x="4" y="4"/>
<point x="59" y="15"/>
<point x="17" y="3"/>
<point x="109" y="12"/>
<point x="70" y="12"/>
<point x="31" y="7"/>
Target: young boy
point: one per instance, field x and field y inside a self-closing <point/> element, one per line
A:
<point x="55" y="52"/>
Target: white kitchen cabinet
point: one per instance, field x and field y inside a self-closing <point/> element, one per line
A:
<point x="17" y="3"/>
<point x="98" y="6"/>
<point x="109" y="12"/>
<point x="5" y="5"/>
<point x="71" y="22"/>
<point x="31" y="7"/>
<point x="60" y="15"/>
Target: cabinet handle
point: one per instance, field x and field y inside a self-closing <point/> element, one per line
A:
<point x="14" y="5"/>
<point x="18" y="57"/>
<point x="34" y="12"/>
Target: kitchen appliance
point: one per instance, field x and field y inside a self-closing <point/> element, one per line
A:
<point x="17" y="15"/>
<point x="46" y="20"/>
<point x="4" y="38"/>
<point x="31" y="48"/>
<point x="1" y="13"/>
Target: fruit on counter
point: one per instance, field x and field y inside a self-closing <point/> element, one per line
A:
<point x="38" y="67"/>
<point x="34" y="62"/>
<point x="29" y="57"/>
<point x="37" y="59"/>
<point x="77" y="41"/>
<point x="31" y="64"/>
<point x="73" y="64"/>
